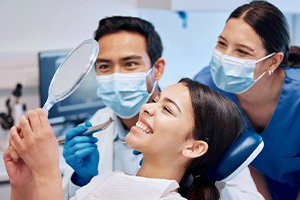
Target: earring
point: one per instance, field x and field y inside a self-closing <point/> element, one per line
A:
<point x="270" y="72"/>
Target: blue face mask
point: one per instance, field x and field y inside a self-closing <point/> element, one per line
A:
<point x="125" y="93"/>
<point x="233" y="74"/>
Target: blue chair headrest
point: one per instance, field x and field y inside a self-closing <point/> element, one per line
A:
<point x="240" y="154"/>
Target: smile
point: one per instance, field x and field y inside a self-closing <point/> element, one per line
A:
<point x="143" y="127"/>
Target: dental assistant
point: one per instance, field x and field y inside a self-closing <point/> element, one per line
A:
<point x="254" y="66"/>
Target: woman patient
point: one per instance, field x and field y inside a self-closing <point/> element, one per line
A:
<point x="183" y="132"/>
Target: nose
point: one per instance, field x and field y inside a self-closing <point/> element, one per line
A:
<point x="116" y="69"/>
<point x="148" y="109"/>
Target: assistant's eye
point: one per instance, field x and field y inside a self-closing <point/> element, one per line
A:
<point x="221" y="44"/>
<point x="242" y="53"/>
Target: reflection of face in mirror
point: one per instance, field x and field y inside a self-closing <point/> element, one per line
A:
<point x="71" y="72"/>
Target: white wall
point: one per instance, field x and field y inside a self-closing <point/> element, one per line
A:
<point x="33" y="25"/>
<point x="186" y="50"/>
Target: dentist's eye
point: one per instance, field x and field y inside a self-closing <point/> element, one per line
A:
<point x="131" y="64"/>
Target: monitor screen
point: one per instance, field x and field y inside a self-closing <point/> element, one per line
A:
<point x="81" y="104"/>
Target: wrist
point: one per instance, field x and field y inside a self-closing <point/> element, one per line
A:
<point x="49" y="187"/>
<point x="80" y="180"/>
<point x="43" y="177"/>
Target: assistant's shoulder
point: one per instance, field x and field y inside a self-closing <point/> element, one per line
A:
<point x="292" y="73"/>
<point x="203" y="75"/>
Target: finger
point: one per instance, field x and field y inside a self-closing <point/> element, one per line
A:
<point x="34" y="120"/>
<point x="15" y="140"/>
<point x="80" y="154"/>
<point x="14" y="154"/>
<point x="75" y="131"/>
<point x="43" y="118"/>
<point x="80" y="139"/>
<point x="76" y="150"/>
<point x="88" y="124"/>
<point x="19" y="131"/>
<point x="25" y="127"/>
<point x="71" y="149"/>
<point x="136" y="152"/>
<point x="6" y="155"/>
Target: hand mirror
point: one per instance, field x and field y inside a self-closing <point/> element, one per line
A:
<point x="71" y="72"/>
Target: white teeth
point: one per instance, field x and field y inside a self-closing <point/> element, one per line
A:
<point x="143" y="127"/>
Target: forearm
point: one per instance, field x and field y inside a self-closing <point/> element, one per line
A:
<point x="23" y="191"/>
<point x="49" y="187"/>
<point x="21" y="194"/>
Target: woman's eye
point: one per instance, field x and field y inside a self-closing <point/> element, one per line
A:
<point x="167" y="109"/>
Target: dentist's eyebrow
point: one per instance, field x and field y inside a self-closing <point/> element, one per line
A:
<point x="133" y="57"/>
<point x="98" y="60"/>
<point x="172" y="102"/>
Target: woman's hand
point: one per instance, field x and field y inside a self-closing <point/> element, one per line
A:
<point x="36" y="144"/>
<point x="21" y="179"/>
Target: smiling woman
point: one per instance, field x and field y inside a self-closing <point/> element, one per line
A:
<point x="184" y="131"/>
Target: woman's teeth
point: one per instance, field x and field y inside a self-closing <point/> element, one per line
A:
<point x="142" y="127"/>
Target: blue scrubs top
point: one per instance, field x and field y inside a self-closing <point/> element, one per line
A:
<point x="280" y="158"/>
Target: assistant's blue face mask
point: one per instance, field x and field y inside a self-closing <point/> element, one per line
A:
<point x="125" y="93"/>
<point x="232" y="74"/>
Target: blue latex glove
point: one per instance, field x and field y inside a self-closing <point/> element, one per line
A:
<point x="81" y="153"/>
<point x="136" y="152"/>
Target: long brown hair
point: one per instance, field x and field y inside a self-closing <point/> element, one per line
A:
<point x="218" y="122"/>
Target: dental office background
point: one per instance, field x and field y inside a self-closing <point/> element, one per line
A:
<point x="188" y="28"/>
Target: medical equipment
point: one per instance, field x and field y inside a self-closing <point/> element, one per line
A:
<point x="90" y="130"/>
<point x="240" y="154"/>
<point x="237" y="158"/>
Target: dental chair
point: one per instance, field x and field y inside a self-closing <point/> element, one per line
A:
<point x="237" y="157"/>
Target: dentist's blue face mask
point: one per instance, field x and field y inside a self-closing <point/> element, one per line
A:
<point x="233" y="74"/>
<point x="125" y="93"/>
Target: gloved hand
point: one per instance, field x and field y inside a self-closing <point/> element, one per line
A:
<point x="136" y="152"/>
<point x="81" y="153"/>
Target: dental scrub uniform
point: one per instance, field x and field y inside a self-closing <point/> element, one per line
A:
<point x="279" y="160"/>
<point x="115" y="155"/>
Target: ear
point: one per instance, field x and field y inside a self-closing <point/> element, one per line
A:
<point x="195" y="149"/>
<point x="159" y="68"/>
<point x="276" y="59"/>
